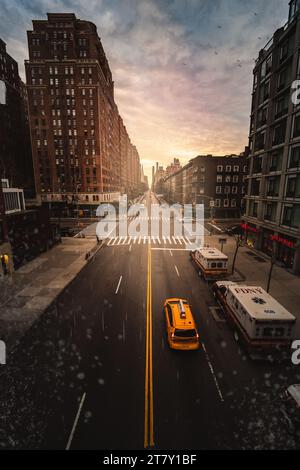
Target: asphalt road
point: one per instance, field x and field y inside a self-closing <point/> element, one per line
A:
<point x="95" y="372"/>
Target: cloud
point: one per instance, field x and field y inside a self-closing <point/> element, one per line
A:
<point x="182" y="68"/>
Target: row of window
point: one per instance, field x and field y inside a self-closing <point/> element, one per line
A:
<point x="226" y="203"/>
<point x="228" y="190"/>
<point x="290" y="214"/>
<point x="230" y="168"/>
<point x="273" y="161"/>
<point x="292" y="186"/>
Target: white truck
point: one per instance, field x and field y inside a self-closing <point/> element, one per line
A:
<point x="259" y="321"/>
<point x="211" y="263"/>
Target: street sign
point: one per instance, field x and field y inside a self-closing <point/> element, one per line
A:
<point x="222" y="242"/>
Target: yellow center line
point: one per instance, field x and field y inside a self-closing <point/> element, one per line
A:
<point x="148" y="418"/>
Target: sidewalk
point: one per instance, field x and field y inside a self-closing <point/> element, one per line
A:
<point x="252" y="267"/>
<point x="31" y="289"/>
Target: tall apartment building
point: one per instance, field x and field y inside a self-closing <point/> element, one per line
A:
<point x="15" y="150"/>
<point x="273" y="197"/>
<point x="218" y="182"/>
<point x="78" y="137"/>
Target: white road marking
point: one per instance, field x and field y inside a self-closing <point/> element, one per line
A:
<point x="167" y="249"/>
<point x="174" y="239"/>
<point x="214" y="226"/>
<point x="153" y="239"/>
<point x="176" y="269"/>
<point x="213" y="373"/>
<point x="75" y="422"/>
<point x="125" y="238"/>
<point x="115" y="240"/>
<point x="145" y="239"/>
<point x="179" y="240"/>
<point x="140" y="238"/>
<point x="164" y="239"/>
<point x="158" y="239"/>
<point x="130" y="247"/>
<point x="110" y="241"/>
<point x="171" y="252"/>
<point x="120" y="239"/>
<point x="169" y="240"/>
<point x="118" y="286"/>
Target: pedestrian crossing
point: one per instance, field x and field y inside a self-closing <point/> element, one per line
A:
<point x="157" y="241"/>
<point x="147" y="218"/>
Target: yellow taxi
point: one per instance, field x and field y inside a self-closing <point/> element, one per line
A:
<point x="180" y="323"/>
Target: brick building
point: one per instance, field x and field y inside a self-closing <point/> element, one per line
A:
<point x="78" y="137"/>
<point x="15" y="150"/>
<point x="218" y="182"/>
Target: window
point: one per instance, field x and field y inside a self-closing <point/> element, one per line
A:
<point x="273" y="186"/>
<point x="294" y="160"/>
<point x="219" y="168"/>
<point x="270" y="211"/>
<point x="266" y="66"/>
<point x="218" y="189"/>
<point x="235" y="179"/>
<point x="284" y="77"/>
<point x="226" y="202"/>
<point x="296" y="127"/>
<point x="227" y="179"/>
<point x="275" y="160"/>
<point x="233" y="202"/>
<point x="227" y="190"/>
<point x="257" y="164"/>
<point x="253" y="206"/>
<point x="291" y="216"/>
<point x="260" y="141"/>
<point x="293" y="186"/>
<point x="236" y="168"/>
<point x="217" y="202"/>
<point x="264" y="91"/>
<point x="234" y="189"/>
<point x="255" y="186"/>
<point x="279" y="133"/>
<point x="281" y="106"/>
<point x="228" y="168"/>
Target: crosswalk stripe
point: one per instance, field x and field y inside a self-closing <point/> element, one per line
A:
<point x="179" y="240"/>
<point x="110" y="241"/>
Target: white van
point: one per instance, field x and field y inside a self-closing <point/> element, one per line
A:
<point x="211" y="263"/>
<point x="258" y="319"/>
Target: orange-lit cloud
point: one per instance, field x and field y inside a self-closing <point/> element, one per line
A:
<point x="182" y="68"/>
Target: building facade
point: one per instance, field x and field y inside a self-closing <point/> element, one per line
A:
<point x="216" y="182"/>
<point x="79" y="142"/>
<point x="272" y="216"/>
<point x="15" y="150"/>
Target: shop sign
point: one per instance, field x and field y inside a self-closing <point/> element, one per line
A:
<point x="283" y="241"/>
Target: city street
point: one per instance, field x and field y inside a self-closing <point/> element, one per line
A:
<point x="96" y="372"/>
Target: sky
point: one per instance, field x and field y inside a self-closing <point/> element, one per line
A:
<point x="182" y="68"/>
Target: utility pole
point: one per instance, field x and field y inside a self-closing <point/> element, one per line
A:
<point x="238" y="244"/>
<point x="273" y="259"/>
